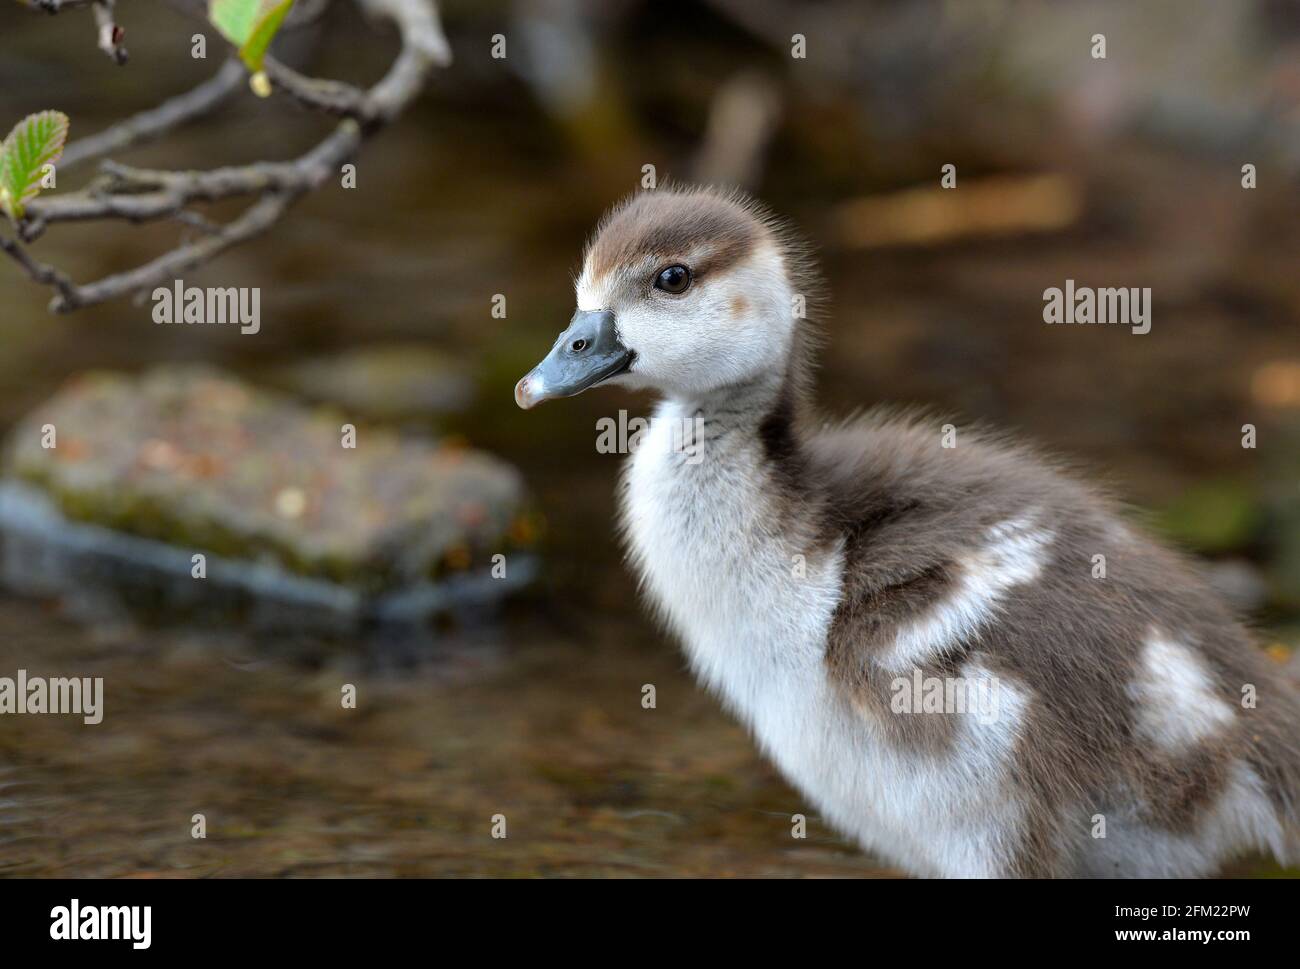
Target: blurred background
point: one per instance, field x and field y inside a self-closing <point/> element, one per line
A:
<point x="378" y="302"/>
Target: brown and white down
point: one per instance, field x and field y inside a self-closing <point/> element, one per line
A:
<point x="811" y="569"/>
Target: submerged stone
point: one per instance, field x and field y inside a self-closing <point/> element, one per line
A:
<point x="150" y="471"/>
<point x="392" y="381"/>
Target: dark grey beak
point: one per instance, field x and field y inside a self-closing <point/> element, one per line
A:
<point x="588" y="352"/>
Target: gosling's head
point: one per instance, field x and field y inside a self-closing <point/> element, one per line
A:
<point x="684" y="291"/>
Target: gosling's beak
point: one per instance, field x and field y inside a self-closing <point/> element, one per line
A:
<point x="588" y="352"/>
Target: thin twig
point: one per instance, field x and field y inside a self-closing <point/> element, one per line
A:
<point x="138" y="195"/>
<point x="58" y="6"/>
<point x="331" y="97"/>
<point x="158" y="121"/>
<point x="255" y="220"/>
<point x="39" y="271"/>
<point x="111" y="34"/>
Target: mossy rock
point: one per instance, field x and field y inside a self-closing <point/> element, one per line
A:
<point x="198" y="461"/>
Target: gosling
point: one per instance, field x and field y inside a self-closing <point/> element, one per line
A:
<point x="915" y="634"/>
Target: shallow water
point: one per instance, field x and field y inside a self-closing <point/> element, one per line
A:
<point x="541" y="725"/>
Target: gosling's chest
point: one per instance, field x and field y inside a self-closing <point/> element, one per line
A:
<point x="753" y="605"/>
<point x="751" y="601"/>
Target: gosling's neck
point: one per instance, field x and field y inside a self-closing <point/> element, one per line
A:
<point x="754" y="430"/>
<point x="774" y="397"/>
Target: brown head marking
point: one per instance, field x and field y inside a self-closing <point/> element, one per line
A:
<point x="667" y="225"/>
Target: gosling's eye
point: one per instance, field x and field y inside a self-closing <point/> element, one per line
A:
<point x="673" y="279"/>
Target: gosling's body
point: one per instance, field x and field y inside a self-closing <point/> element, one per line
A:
<point x="815" y="573"/>
<point x="1105" y="708"/>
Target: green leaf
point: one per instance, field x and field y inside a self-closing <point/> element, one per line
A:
<point x="249" y="24"/>
<point x="35" y="142"/>
<point x="234" y="18"/>
<point x="254" y="50"/>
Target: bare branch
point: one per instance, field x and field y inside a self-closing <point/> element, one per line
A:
<point x="423" y="46"/>
<point x="330" y="97"/>
<point x="143" y="195"/>
<point x="109" y="34"/>
<point x="255" y="220"/>
<point x="139" y="195"/>
<point x="158" y="121"/>
<point x="39" y="271"/>
<point x="58" y="6"/>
